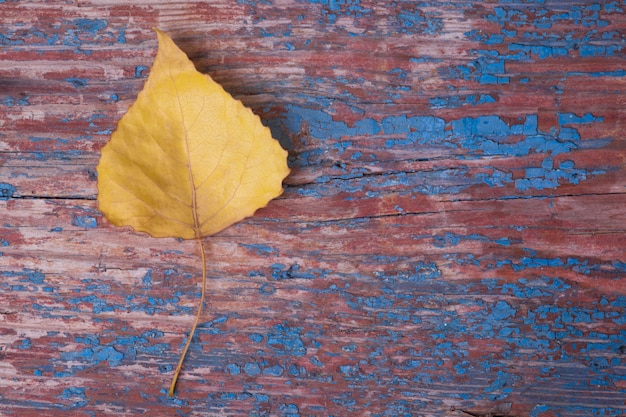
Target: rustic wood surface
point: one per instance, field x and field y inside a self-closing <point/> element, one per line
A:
<point x="451" y="240"/>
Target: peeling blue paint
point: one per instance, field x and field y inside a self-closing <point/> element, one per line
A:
<point x="454" y="102"/>
<point x="256" y="337"/>
<point x="80" y="34"/>
<point x="288" y="410"/>
<point x="286" y="340"/>
<point x="281" y="272"/>
<point x="95" y="355"/>
<point x="315" y="361"/>
<point x="6" y="191"/>
<point x="76" y="395"/>
<point x="140" y="71"/>
<point x="252" y="369"/>
<point x="85" y="221"/>
<point x="267" y="289"/>
<point x="233" y="369"/>
<point x="502" y="310"/>
<point x="77" y="81"/>
<point x="275" y="370"/>
<point x="502" y="386"/>
<point x="34" y="277"/>
<point x="31" y="278"/>
<point x="261" y="249"/>
<point x="548" y="177"/>
<point x="479" y="136"/>
<point x="25" y="344"/>
<point x="146" y="281"/>
<point x="114" y="351"/>
<point x="13" y="101"/>
<point x="539" y="409"/>
<point x="322" y="126"/>
<point x="412" y="19"/>
<point x="92" y="26"/>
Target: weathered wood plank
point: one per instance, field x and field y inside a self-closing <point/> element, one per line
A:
<point x="451" y="240"/>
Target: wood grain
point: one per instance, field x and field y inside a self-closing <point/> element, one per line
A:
<point x="451" y="241"/>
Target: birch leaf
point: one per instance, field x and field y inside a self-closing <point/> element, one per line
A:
<point x="187" y="160"/>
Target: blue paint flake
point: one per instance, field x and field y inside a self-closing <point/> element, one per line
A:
<point x="418" y="21"/>
<point x="94" y="355"/>
<point x="502" y="386"/>
<point x="140" y="71"/>
<point x="261" y="249"/>
<point x="71" y="392"/>
<point x="286" y="340"/>
<point x="288" y="410"/>
<point x="256" y="337"/>
<point x="6" y="191"/>
<point x="275" y="370"/>
<point x="92" y="26"/>
<point x="315" y="361"/>
<point x="322" y="126"/>
<point x="453" y="102"/>
<point x="267" y="289"/>
<point x="77" y="82"/>
<point x="34" y="277"/>
<point x="85" y="221"/>
<point x="252" y="368"/>
<point x="13" y="101"/>
<point x="281" y="272"/>
<point x="502" y="310"/>
<point x="233" y="369"/>
<point x="146" y="281"/>
<point x="76" y="396"/>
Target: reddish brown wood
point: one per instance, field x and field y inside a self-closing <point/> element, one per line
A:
<point x="451" y="241"/>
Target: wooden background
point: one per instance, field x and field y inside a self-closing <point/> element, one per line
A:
<point x="451" y="241"/>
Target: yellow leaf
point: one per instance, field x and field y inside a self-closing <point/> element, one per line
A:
<point x="187" y="160"/>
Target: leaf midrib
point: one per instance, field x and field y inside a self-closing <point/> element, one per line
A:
<point x="194" y="203"/>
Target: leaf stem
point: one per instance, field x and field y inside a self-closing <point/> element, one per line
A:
<point x="195" y="323"/>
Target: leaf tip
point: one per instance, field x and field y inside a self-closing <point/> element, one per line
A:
<point x="158" y="31"/>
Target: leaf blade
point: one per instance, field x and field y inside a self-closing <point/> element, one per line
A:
<point x="187" y="160"/>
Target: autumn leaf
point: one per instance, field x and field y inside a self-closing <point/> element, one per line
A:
<point x="187" y="160"/>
